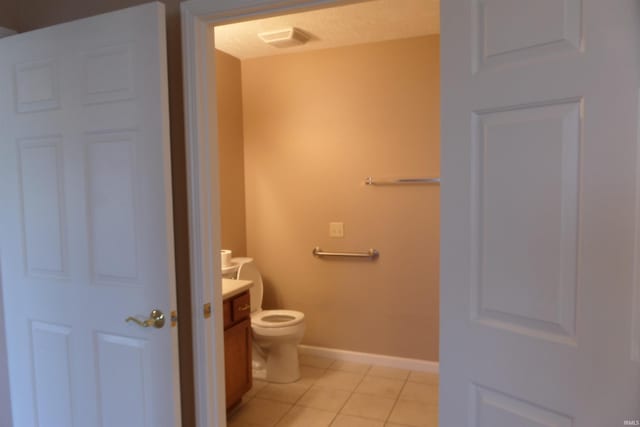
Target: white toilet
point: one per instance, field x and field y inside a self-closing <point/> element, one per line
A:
<point x="276" y="333"/>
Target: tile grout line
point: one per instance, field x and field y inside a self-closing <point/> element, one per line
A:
<point x="293" y="405"/>
<point x="395" y="403"/>
<point x="325" y="370"/>
<point x="323" y="374"/>
<point x="351" y="394"/>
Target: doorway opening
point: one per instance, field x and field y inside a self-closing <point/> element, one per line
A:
<point x="299" y="132"/>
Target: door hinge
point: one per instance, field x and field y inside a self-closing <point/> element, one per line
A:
<point x="174" y="319"/>
<point x="207" y="310"/>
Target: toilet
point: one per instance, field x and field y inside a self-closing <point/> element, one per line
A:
<point x="276" y="333"/>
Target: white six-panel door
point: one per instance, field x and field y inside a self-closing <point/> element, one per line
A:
<point x="86" y="223"/>
<point x="539" y="211"/>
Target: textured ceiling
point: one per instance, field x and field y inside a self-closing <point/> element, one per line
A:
<point x="366" y="22"/>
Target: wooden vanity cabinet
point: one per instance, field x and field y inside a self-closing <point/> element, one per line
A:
<point x="237" y="347"/>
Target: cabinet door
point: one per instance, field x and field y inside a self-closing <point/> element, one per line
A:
<point x="226" y="314"/>
<point x="237" y="357"/>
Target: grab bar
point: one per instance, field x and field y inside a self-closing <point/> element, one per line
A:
<point x="401" y="181"/>
<point x="371" y="253"/>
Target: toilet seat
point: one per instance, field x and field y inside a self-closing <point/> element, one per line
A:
<point x="276" y="318"/>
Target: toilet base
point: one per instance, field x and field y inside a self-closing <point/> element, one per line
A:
<point x="281" y="364"/>
<point x="259" y="374"/>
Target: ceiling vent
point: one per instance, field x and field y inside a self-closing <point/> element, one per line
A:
<point x="287" y="37"/>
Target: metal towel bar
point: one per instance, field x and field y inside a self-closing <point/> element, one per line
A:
<point x="401" y="181"/>
<point x="371" y="253"/>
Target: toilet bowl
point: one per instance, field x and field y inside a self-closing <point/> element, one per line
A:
<point x="276" y="333"/>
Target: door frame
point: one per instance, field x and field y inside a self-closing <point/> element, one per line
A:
<point x="203" y="184"/>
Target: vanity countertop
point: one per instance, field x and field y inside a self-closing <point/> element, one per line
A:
<point x="232" y="287"/>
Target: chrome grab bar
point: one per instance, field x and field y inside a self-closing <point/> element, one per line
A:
<point x="371" y="253"/>
<point x="401" y="181"/>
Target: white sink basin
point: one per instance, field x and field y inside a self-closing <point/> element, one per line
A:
<point x="231" y="268"/>
<point x="232" y="287"/>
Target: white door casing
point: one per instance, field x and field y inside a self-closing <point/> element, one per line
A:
<point x="86" y="223"/>
<point x="539" y="164"/>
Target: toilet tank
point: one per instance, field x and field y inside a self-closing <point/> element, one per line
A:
<point x="249" y="271"/>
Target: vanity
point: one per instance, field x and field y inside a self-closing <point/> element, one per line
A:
<point x="237" y="339"/>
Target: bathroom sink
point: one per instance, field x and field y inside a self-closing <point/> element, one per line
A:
<point x="230" y="269"/>
<point x="231" y="287"/>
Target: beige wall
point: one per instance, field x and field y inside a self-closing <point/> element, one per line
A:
<point x="34" y="14"/>
<point x="231" y="151"/>
<point x="315" y="125"/>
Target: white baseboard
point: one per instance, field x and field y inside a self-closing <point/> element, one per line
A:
<point x="371" y="359"/>
<point x="5" y="32"/>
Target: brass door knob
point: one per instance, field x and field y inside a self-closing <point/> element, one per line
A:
<point x="156" y="319"/>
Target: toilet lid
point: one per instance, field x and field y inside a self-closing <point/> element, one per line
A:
<point x="276" y="318"/>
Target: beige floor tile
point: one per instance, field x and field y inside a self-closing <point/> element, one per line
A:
<point x="260" y="412"/>
<point x="311" y="372"/>
<point x="299" y="416"/>
<point x="306" y="381"/>
<point x="424" y="377"/>
<point x="339" y="380"/>
<point x="309" y="375"/>
<point x="351" y="421"/>
<point x="287" y="393"/>
<point x="232" y="414"/>
<point x="383" y="387"/>
<point x="367" y="406"/>
<point x="346" y="366"/>
<point x="424" y="393"/>
<point x="315" y="361"/>
<point x="386" y="372"/>
<point x="237" y="423"/>
<point x="257" y="386"/>
<point x="414" y="414"/>
<point x="326" y="399"/>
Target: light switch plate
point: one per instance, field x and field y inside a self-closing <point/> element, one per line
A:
<point x="336" y="229"/>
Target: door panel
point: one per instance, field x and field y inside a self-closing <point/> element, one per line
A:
<point x="111" y="207"/>
<point x="511" y="32"/>
<point x="41" y="194"/>
<point x="86" y="222"/>
<point x="52" y="373"/>
<point x="490" y="408"/>
<point x="539" y="166"/>
<point x="109" y="74"/>
<point x="36" y="86"/>
<point x="526" y="288"/>
<point x="124" y="399"/>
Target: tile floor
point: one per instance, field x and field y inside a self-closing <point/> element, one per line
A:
<point x="342" y="394"/>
